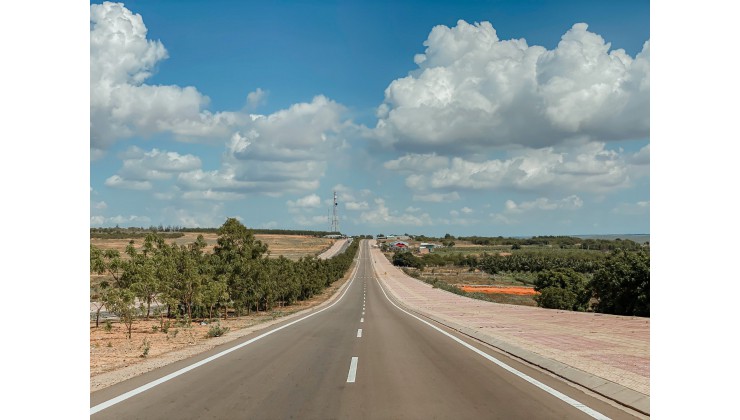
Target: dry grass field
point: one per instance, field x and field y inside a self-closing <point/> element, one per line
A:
<point x="294" y="247"/>
<point x="290" y="246"/>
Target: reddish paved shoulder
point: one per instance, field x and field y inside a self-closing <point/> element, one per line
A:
<point x="615" y="348"/>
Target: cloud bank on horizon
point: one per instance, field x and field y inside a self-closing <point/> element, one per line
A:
<point x="479" y="116"/>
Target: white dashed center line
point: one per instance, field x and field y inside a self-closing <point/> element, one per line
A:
<point x="352" y="370"/>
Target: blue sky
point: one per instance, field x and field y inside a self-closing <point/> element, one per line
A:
<point x="473" y="118"/>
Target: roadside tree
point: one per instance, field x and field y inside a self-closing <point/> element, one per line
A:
<point x="562" y="288"/>
<point x="622" y="285"/>
<point x="140" y="274"/>
<point x="106" y="262"/>
<point x="405" y="259"/>
<point x="98" y="293"/>
<point x="122" y="302"/>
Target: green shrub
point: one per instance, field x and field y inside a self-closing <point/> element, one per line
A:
<point x="405" y="259"/>
<point x="556" y="298"/>
<point x="146" y="345"/>
<point x="562" y="288"/>
<point x="216" y="331"/>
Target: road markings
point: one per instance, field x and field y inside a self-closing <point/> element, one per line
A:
<point x="145" y="387"/>
<point x="576" y="404"/>
<point x="362" y="319"/>
<point x="352" y="370"/>
<point x="359" y="333"/>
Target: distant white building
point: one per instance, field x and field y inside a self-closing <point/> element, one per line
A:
<point x="425" y="248"/>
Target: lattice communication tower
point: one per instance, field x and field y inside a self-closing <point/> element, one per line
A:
<point x="334" y="221"/>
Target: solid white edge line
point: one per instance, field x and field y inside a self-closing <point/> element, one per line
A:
<point x="352" y="370"/>
<point x="145" y="387"/>
<point x="591" y="412"/>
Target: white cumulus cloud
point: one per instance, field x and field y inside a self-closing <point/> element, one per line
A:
<point x="116" y="181"/>
<point x="311" y="201"/>
<point x="417" y="163"/>
<point x="381" y="215"/>
<point x="155" y="164"/>
<point x="212" y="195"/>
<point x="229" y="179"/>
<point x="632" y="209"/>
<point x="132" y="220"/>
<point x="121" y="104"/>
<point x="311" y="220"/>
<point x="473" y="92"/>
<point x="437" y="197"/>
<point x="283" y="152"/>
<point x="256" y="98"/>
<point x="572" y="202"/>
<point x="590" y="167"/>
<point x="354" y="205"/>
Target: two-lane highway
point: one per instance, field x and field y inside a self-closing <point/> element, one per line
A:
<point x="361" y="356"/>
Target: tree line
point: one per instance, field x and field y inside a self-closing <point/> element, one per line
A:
<point x="617" y="282"/>
<point x="559" y="242"/>
<point x="236" y="278"/>
<point x="546" y="240"/>
<point x="518" y="261"/>
<point x="178" y="231"/>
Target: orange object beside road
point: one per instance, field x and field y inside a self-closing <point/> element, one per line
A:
<point x="508" y="290"/>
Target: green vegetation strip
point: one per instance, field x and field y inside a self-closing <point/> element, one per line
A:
<point x="614" y="282"/>
<point x="236" y="278"/>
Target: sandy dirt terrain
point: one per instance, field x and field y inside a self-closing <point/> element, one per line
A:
<point x="157" y="342"/>
<point x="115" y="358"/>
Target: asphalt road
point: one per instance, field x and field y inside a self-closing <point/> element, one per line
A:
<point x="359" y="357"/>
